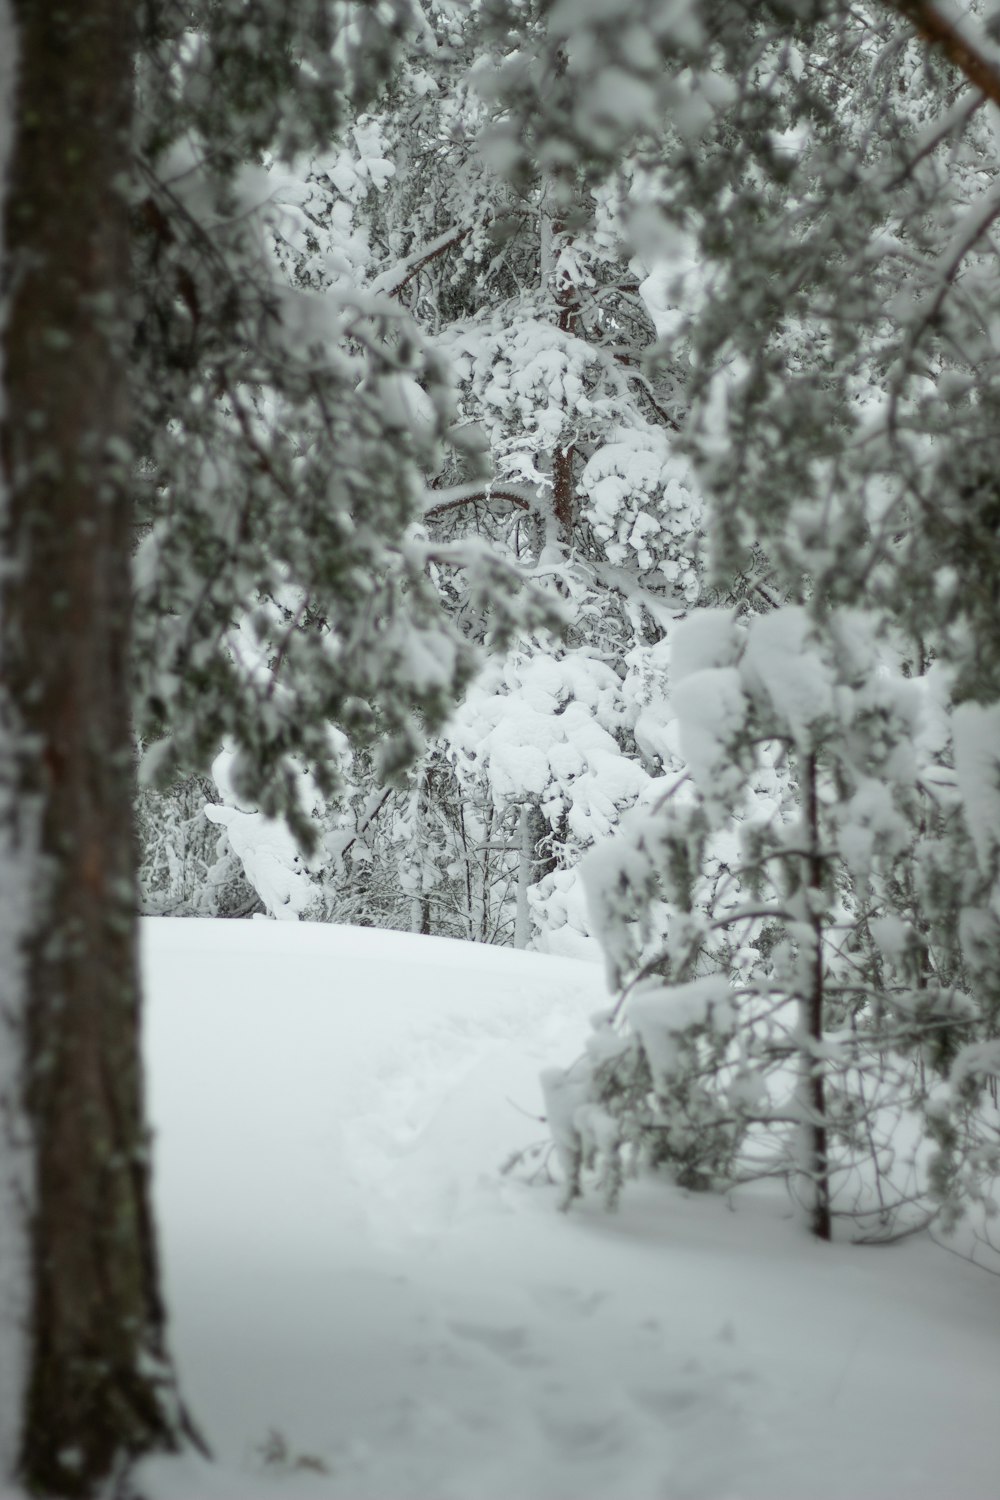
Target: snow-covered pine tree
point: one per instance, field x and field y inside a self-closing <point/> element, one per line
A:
<point x="183" y="871"/>
<point x="265" y="477"/>
<point x="561" y="456"/>
<point x="96" y="1383"/>
<point x="544" y="310"/>
<point x="277" y="589"/>
<point x="838" y="177"/>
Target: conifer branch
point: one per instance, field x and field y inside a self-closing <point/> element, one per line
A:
<point x="936" y="29"/>
<point x="392" y="282"/>
<point x="471" y="494"/>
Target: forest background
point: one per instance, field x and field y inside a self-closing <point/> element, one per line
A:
<point x="684" y="324"/>
<point x="623" y="375"/>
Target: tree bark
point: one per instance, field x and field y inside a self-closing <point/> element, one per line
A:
<point x="563" y="460"/>
<point x="816" y="1146"/>
<point x="100" y="1389"/>
<point x="558" y="280"/>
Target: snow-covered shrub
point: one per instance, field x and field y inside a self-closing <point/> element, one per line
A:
<point x="543" y="729"/>
<point x="185" y="868"/>
<point x="643" y="502"/>
<point x="273" y="862"/>
<point x="639" y="1098"/>
<point x="802" y="1014"/>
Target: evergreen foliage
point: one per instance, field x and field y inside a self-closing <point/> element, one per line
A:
<point x="655" y="308"/>
<point x="559" y="459"/>
<point x="827" y="849"/>
<point x="641" y="355"/>
<point x="281" y="589"/>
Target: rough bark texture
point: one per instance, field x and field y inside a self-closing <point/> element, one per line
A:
<point x="100" y="1389"/>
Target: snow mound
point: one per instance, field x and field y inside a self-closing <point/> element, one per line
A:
<point x="363" y="1303"/>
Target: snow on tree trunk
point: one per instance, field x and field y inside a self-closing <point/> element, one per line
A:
<point x="99" y="1389"/>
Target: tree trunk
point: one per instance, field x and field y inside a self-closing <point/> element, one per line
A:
<point x="99" y="1388"/>
<point x="522" y="918"/>
<point x="563" y="460"/>
<point x="557" y="279"/>
<point x="816" y="1161"/>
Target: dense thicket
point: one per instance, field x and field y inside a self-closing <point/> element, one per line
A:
<point x="809" y="986"/>
<point x="711" y="295"/>
<point x="559" y="459"/>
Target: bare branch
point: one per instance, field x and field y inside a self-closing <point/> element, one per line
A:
<point x="441" y="501"/>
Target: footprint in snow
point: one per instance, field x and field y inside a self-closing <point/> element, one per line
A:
<point x="585" y="1439"/>
<point x="510" y="1344"/>
<point x="667" y="1404"/>
<point x="567" y="1302"/>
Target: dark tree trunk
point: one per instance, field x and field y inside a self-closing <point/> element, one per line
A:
<point x="563" y="461"/>
<point x="100" y="1388"/>
<point x="817" y="1160"/>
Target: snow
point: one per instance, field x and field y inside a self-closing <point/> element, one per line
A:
<point x="781" y="656"/>
<point x="616" y="94"/>
<point x="265" y="847"/>
<point x="869" y="825"/>
<point x="270" y="858"/>
<point x="642" y="500"/>
<point x="546" y="727"/>
<point x="347" y="1267"/>
<point x="706" y="639"/>
<point x="977" y="1059"/>
<point x="661" y="1013"/>
<point x="712" y="709"/>
<point x="977" y="767"/>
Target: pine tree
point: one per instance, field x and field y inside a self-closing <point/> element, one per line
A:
<point x="259" y="489"/>
<point x="839" y="188"/>
<point x="99" y="1389"/>
<point x="534" y="299"/>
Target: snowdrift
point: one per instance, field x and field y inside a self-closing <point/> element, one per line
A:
<point x="362" y="1303"/>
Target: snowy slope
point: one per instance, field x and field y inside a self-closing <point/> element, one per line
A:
<point x="347" y="1268"/>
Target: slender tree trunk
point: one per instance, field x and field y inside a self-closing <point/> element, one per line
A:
<point x="558" y="279"/>
<point x="420" y="906"/>
<point x="816" y="1156"/>
<point x="522" y="919"/>
<point x="563" y="460"/>
<point x="99" y="1388"/>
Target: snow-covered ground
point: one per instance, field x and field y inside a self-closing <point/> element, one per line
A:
<point x="359" y="1293"/>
